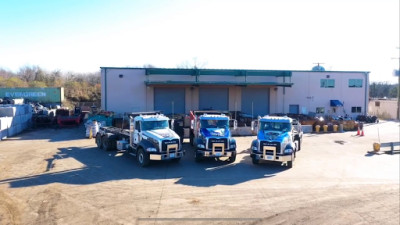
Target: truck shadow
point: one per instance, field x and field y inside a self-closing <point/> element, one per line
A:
<point x="102" y="166"/>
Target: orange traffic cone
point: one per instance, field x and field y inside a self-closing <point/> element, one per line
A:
<point x="358" y="130"/>
<point x="362" y="132"/>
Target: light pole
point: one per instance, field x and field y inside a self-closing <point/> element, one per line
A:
<point x="397" y="73"/>
<point x="398" y="88"/>
<point x="398" y="91"/>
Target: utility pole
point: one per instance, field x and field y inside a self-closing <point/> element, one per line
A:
<point x="398" y="90"/>
<point x="398" y="87"/>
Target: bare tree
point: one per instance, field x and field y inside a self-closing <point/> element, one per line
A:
<point x="149" y="66"/>
<point x="193" y="64"/>
<point x="28" y="73"/>
<point x="5" y="73"/>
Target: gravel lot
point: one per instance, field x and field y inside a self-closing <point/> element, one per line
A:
<point x="50" y="176"/>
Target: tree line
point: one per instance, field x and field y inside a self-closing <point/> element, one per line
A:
<point x="383" y="89"/>
<point x="78" y="87"/>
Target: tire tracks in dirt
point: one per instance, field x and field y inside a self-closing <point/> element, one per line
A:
<point x="365" y="208"/>
<point x="52" y="207"/>
<point x="9" y="210"/>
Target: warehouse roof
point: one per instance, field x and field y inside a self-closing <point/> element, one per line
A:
<point x="243" y="73"/>
<point x="260" y="72"/>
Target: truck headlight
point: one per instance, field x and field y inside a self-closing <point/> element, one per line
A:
<point x="254" y="148"/>
<point x="287" y="151"/>
<point x="232" y="146"/>
<point x="200" y="146"/>
<point x="151" y="149"/>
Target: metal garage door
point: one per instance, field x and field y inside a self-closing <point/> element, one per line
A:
<point x="213" y="98"/>
<point x="169" y="100"/>
<point x="255" y="101"/>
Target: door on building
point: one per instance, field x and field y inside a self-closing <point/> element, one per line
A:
<point x="213" y="98"/>
<point x="255" y="101"/>
<point x="294" y="109"/>
<point x="169" y="100"/>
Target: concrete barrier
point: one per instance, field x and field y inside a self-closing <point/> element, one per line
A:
<point x="6" y="122"/>
<point x="14" y="119"/>
<point x="12" y="131"/>
<point x="7" y="111"/>
<point x="243" y="131"/>
<point x="3" y="124"/>
<point x="307" y="129"/>
<point x="3" y="134"/>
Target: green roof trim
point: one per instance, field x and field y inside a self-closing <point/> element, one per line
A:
<point x="218" y="72"/>
<point x="194" y="83"/>
<point x="156" y="71"/>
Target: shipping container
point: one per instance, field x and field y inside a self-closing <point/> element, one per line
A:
<point x="42" y="95"/>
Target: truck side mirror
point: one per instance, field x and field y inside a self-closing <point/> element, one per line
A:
<point x="252" y="125"/>
<point x="234" y="124"/>
<point x="172" y="124"/>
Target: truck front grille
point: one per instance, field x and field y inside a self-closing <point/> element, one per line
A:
<point x="212" y="141"/>
<point x="275" y="144"/>
<point x="165" y="144"/>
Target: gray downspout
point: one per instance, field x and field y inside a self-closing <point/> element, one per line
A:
<point x="366" y="93"/>
<point x="105" y="89"/>
<point x="283" y="96"/>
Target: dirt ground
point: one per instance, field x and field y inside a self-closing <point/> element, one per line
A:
<point x="56" y="176"/>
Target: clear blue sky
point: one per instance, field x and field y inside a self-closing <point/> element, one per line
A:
<point x="81" y="36"/>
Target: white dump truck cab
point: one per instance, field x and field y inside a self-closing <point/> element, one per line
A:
<point x="153" y="139"/>
<point x="149" y="137"/>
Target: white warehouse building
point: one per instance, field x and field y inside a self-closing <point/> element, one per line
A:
<point x="253" y="92"/>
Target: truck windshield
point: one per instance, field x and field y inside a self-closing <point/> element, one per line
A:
<point x="214" y="123"/>
<point x="275" y="126"/>
<point x="154" y="125"/>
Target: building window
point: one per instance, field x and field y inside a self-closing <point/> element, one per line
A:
<point x="327" y="83"/>
<point x="355" y="83"/>
<point x="356" y="109"/>
<point x="320" y="110"/>
<point x="377" y="104"/>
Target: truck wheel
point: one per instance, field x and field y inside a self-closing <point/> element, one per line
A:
<point x="107" y="145"/>
<point x="112" y="140"/>
<point x="104" y="142"/>
<point x="109" y="142"/>
<point x="191" y="138"/>
<point x="298" y="144"/>
<point x="99" y="141"/>
<point x="291" y="163"/>
<point x="198" y="157"/>
<point x="233" y="157"/>
<point x="143" y="158"/>
<point x="255" y="161"/>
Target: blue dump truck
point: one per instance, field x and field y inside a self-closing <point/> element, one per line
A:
<point x="211" y="135"/>
<point x="278" y="140"/>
